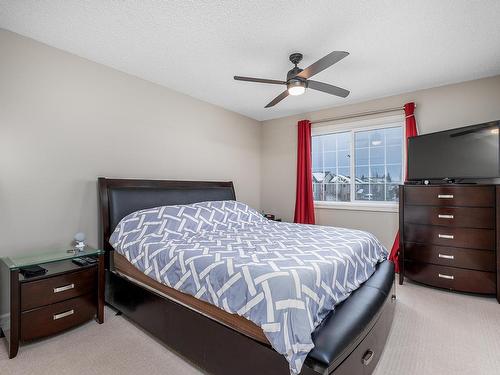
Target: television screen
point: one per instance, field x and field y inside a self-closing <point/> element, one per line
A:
<point x="471" y="152"/>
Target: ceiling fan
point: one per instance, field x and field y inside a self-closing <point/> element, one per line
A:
<point x="297" y="80"/>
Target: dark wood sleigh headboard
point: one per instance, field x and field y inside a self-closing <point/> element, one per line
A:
<point x="120" y="197"/>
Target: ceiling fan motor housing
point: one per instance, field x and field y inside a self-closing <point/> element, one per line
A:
<point x="294" y="83"/>
<point x="292" y="73"/>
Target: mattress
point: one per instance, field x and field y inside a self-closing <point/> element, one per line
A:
<point x="233" y="321"/>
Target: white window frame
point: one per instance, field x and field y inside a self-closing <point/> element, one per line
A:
<point x="354" y="127"/>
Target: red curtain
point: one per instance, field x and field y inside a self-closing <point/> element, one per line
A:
<point x="304" y="203"/>
<point x="411" y="131"/>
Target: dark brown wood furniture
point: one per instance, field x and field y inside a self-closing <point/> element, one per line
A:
<point x="449" y="236"/>
<point x="66" y="296"/>
<point x="349" y="341"/>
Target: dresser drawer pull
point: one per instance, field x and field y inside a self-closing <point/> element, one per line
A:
<point x="446" y="216"/>
<point x="444" y="256"/>
<point x="449" y="277"/>
<point x="447" y="236"/>
<point x="64" y="314"/>
<point x="64" y="288"/>
<point x="445" y="196"/>
<point x="367" y="357"/>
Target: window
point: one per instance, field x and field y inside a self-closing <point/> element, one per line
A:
<point x="372" y="154"/>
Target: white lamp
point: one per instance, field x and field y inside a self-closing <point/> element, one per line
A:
<point x="80" y="241"/>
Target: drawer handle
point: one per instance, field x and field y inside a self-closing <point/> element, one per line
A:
<point x="367" y="357"/>
<point x="449" y="277"/>
<point x="445" y="196"/>
<point x="446" y="216"/>
<point x="447" y="236"/>
<point x="64" y="314"/>
<point x="63" y="288"/>
<point x="446" y="256"/>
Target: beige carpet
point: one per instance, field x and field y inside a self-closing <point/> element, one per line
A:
<point x="434" y="332"/>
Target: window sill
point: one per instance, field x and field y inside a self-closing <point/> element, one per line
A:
<point x="357" y="206"/>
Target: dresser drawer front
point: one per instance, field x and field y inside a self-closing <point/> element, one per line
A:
<point x="468" y="217"/>
<point x="57" y="288"/>
<point x="448" y="236"/>
<point x="47" y="320"/>
<point x="451" y="278"/>
<point x="468" y="196"/>
<point x="481" y="260"/>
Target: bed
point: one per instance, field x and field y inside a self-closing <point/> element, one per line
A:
<point x="348" y="341"/>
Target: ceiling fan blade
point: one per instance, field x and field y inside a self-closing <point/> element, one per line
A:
<point x="322" y="64"/>
<point x="329" y="89"/>
<point x="260" y="80"/>
<point x="278" y="99"/>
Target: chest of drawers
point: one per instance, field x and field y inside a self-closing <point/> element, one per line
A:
<point x="449" y="236"/>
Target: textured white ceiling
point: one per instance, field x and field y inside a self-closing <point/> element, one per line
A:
<point x="196" y="47"/>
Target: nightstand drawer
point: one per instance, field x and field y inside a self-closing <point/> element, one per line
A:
<point x="51" y="319"/>
<point x="57" y="288"/>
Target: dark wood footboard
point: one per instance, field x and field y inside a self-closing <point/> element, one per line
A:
<point x="221" y="350"/>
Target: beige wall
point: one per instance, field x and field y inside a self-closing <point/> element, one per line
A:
<point x="64" y="121"/>
<point x="437" y="109"/>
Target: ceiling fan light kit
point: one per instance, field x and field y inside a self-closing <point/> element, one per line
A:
<point x="297" y="80"/>
<point x="296" y="87"/>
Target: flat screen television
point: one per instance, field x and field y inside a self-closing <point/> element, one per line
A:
<point x="467" y="153"/>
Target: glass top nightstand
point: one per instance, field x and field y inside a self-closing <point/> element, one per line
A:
<point x="64" y="296"/>
<point x="49" y="257"/>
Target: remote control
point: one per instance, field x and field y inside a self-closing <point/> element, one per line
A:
<point x="80" y="261"/>
<point x="90" y="260"/>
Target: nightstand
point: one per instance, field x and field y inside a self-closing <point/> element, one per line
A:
<point x="271" y="217"/>
<point x="64" y="297"/>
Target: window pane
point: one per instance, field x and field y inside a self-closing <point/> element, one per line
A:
<point x="330" y="160"/>
<point x="377" y="192"/>
<point x="362" y="174"/>
<point x="344" y="192"/>
<point x="393" y="136"/>
<point x="344" y="141"/>
<point x="378" y="163"/>
<point x="317" y="154"/>
<point x="317" y="193"/>
<point x="330" y="192"/>
<point x="362" y="156"/>
<point x="344" y="175"/>
<point x="377" y="155"/>
<point x="362" y="139"/>
<point x="344" y="158"/>
<point x="331" y="166"/>
<point x="392" y="192"/>
<point x="394" y="173"/>
<point x="377" y="174"/>
<point x="363" y="192"/>
<point x="330" y="142"/>
<point x="394" y="153"/>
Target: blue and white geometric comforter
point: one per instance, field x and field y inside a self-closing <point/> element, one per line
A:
<point x="283" y="277"/>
